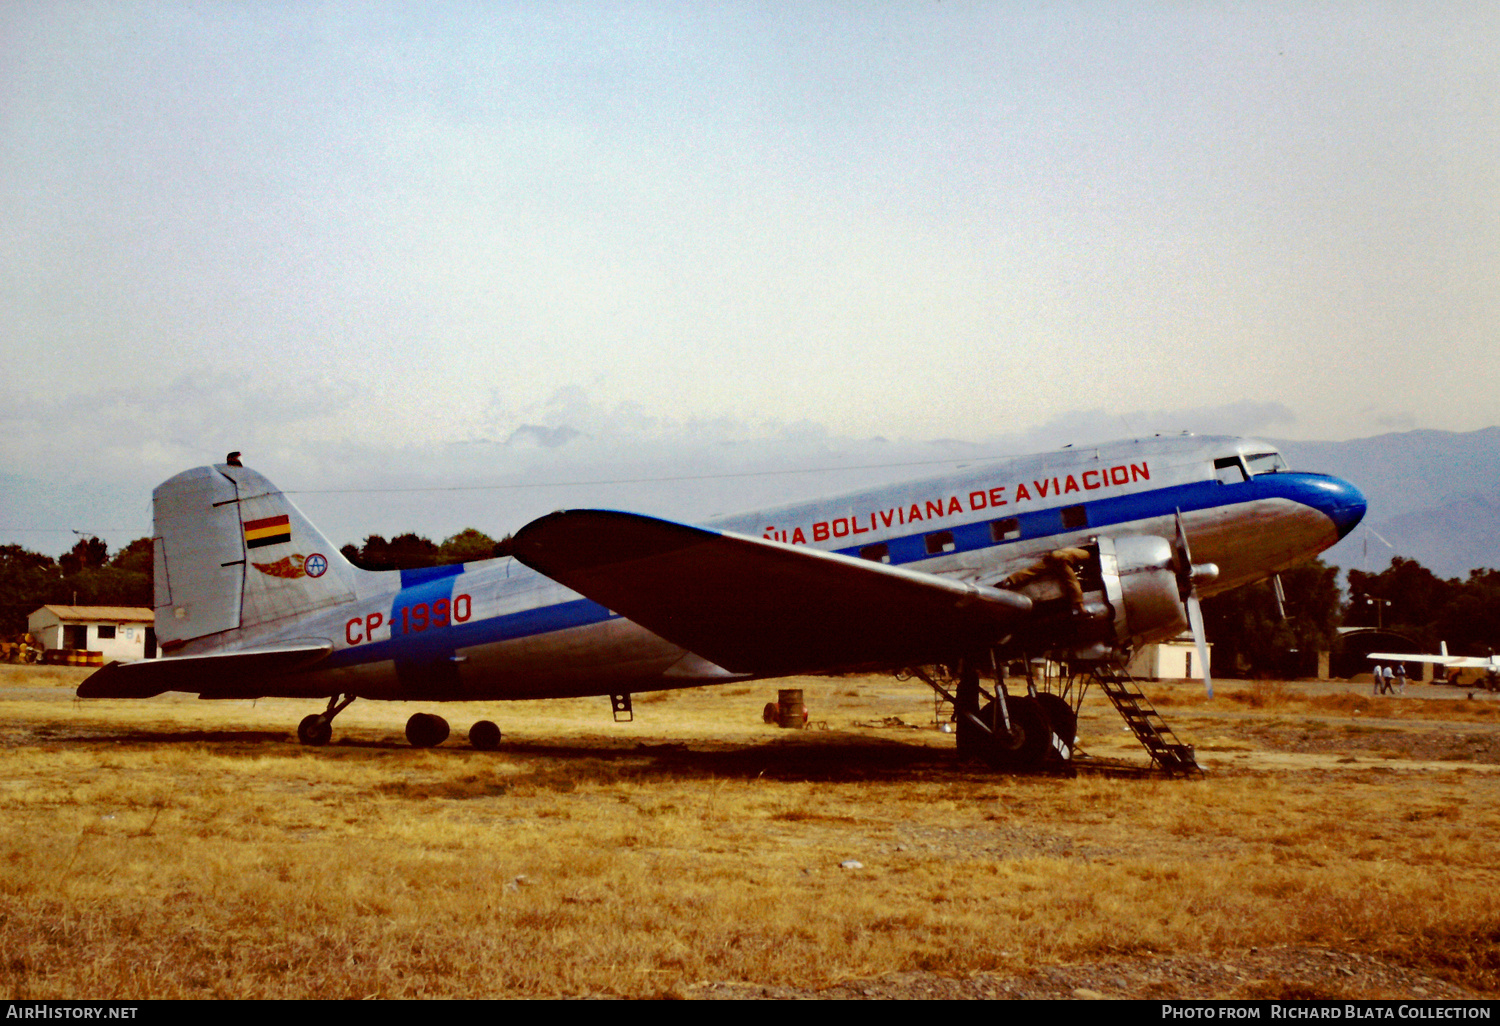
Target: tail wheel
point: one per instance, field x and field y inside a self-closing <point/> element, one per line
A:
<point x="424" y="730"/>
<point x="314" y="730"/>
<point x="1061" y="716"/>
<point x="1030" y="737"/>
<point x="484" y="736"/>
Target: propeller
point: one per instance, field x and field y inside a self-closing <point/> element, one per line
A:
<point x="1188" y="576"/>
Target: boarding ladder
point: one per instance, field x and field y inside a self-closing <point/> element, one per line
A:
<point x="1149" y="728"/>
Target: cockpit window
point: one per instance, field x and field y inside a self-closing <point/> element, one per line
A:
<point x="1229" y="470"/>
<point x="1266" y="463"/>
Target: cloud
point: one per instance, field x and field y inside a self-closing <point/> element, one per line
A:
<point x="193" y="417"/>
<point x="572" y="450"/>
<point x="1092" y="426"/>
<point x="548" y="438"/>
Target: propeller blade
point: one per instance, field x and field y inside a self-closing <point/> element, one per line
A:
<point x="1187" y="587"/>
<point x="1184" y="559"/>
<point x="1200" y="638"/>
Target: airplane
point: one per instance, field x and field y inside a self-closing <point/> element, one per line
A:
<point x="1489" y="664"/>
<point x="1082" y="554"/>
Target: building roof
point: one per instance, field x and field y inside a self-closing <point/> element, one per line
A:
<point x="1185" y="638"/>
<point x="117" y="614"/>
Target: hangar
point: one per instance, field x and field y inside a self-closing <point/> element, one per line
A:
<point x="1356" y="644"/>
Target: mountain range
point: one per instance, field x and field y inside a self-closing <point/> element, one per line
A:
<point x="1434" y="497"/>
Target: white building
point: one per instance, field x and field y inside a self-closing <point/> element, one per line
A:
<point x="1176" y="659"/>
<point x="119" y="632"/>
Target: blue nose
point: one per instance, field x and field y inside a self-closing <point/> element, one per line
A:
<point x="1338" y="500"/>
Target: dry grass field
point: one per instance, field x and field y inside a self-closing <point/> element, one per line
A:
<point x="1339" y="846"/>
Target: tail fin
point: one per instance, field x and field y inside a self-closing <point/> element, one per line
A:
<point x="233" y="554"/>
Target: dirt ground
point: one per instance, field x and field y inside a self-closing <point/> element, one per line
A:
<point x="1254" y="741"/>
<point x="1283" y="973"/>
<point x="878" y="731"/>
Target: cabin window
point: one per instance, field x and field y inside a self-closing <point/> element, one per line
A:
<point x="1266" y="463"/>
<point x="1005" y="530"/>
<point x="1229" y="470"/>
<point x="106" y="632"/>
<point x="1074" y="517"/>
<point x="940" y="542"/>
<point x="876" y="553"/>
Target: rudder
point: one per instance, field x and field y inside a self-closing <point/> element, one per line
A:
<point x="233" y="554"/>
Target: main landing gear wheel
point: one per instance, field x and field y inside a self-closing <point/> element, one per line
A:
<point x="1029" y="741"/>
<point x="1061" y="716"/>
<point x="314" y="730"/>
<point x="484" y="736"/>
<point x="425" y="730"/>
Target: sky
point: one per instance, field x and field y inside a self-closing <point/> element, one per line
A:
<point x="690" y="258"/>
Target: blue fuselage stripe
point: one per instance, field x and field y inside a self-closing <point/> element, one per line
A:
<point x="1101" y="513"/>
<point x="438" y="642"/>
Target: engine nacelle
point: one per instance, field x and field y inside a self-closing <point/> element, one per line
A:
<point x="1140" y="583"/>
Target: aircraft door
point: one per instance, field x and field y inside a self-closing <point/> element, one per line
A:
<point x="423" y="637"/>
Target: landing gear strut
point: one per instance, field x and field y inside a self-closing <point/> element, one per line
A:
<point x="1010" y="732"/>
<point x="317" y="729"/>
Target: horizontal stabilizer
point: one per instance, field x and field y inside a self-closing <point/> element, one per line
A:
<point x="200" y="673"/>
<point x="762" y="607"/>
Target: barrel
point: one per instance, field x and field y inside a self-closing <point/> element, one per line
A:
<point x="72" y="657"/>
<point x="789" y="709"/>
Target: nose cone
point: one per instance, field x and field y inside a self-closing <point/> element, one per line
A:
<point x="1338" y="500"/>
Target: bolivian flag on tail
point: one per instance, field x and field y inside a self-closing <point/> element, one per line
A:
<point x="259" y="533"/>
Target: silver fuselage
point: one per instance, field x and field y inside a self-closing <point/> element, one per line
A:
<point x="507" y="632"/>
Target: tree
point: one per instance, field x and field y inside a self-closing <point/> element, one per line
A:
<point x="371" y="555"/>
<point x="410" y="551"/>
<point x="1470" y="622"/>
<point x="1406" y="597"/>
<point x="1251" y="637"/>
<point x="467" y="546"/>
<point x="135" y="557"/>
<point x="27" y="580"/>
<point x="89" y="553"/>
<point x="108" y="586"/>
<point x="403" y="552"/>
<point x="84" y="575"/>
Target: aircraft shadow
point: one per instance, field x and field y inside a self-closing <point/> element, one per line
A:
<point x="824" y="757"/>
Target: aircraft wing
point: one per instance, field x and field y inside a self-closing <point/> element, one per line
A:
<point x="1457" y="662"/>
<point x="1407" y="657"/>
<point x="762" y="607"/>
<point x="144" y="678"/>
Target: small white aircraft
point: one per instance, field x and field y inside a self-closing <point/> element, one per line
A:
<point x="1489" y="664"/>
<point x="1080" y="555"/>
